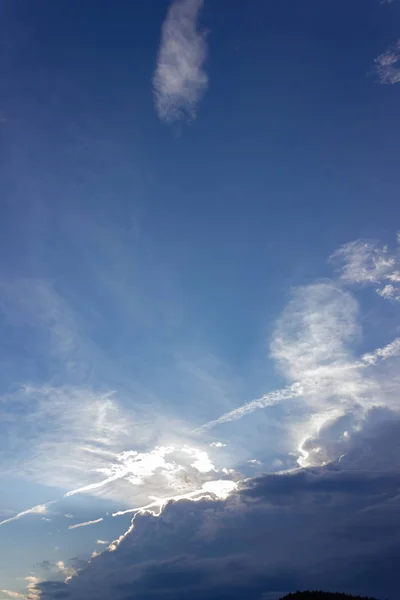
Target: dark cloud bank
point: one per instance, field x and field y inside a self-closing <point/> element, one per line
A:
<point x="335" y="527"/>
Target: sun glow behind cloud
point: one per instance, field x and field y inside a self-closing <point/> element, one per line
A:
<point x="313" y="347"/>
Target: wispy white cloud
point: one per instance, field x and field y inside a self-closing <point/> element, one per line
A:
<point x="332" y="389"/>
<point x="269" y="399"/>
<point x="389" y="292"/>
<point x="367" y="263"/>
<point x="311" y="346"/>
<point x="75" y="439"/>
<point x="39" y="509"/>
<point x="180" y="80"/>
<point x="102" y="542"/>
<point x="389" y="351"/>
<point x="164" y="472"/>
<point x="63" y="433"/>
<point x="35" y="303"/>
<point x="78" y="438"/>
<point x="363" y="262"/>
<point x="86" y="523"/>
<point x="387" y="65"/>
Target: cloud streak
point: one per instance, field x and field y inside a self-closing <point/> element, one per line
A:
<point x="270" y="399"/>
<point x="298" y="389"/>
<point x="39" y="509"/>
<point x="180" y="81"/>
<point x="86" y="523"/>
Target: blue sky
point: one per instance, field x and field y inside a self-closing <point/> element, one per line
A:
<point x="199" y="296"/>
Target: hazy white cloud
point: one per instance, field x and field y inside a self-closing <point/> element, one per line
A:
<point x="180" y="80"/>
<point x="332" y="388"/>
<point x="365" y="262"/>
<point x="86" y="523"/>
<point x="79" y="439"/>
<point x="389" y="292"/>
<point x="12" y="594"/>
<point x="102" y="542"/>
<point x="312" y="344"/>
<point x="314" y="335"/>
<point x="35" y="303"/>
<point x="387" y="65"/>
<point x="161" y="474"/>
<point x="75" y="439"/>
<point x="62" y="434"/>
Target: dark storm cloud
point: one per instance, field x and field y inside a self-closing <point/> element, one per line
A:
<point x="335" y="527"/>
<point x="53" y="589"/>
<point x="311" y="484"/>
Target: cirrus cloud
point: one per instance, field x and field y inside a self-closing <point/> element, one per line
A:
<point x="180" y="80"/>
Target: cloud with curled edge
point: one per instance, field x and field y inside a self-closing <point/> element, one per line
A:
<point x="179" y="80"/>
<point x="309" y="527"/>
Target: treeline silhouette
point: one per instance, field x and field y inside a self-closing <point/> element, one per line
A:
<point x="320" y="595"/>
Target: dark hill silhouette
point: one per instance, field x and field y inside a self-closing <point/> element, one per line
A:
<point x="320" y="595"/>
